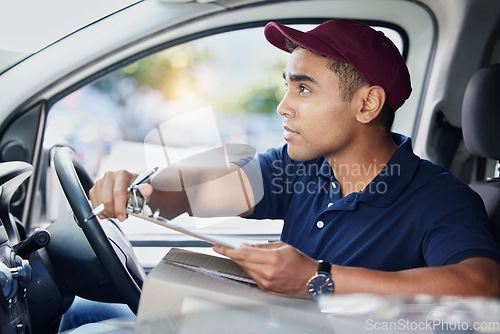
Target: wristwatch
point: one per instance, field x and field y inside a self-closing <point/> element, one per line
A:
<point x="321" y="284"/>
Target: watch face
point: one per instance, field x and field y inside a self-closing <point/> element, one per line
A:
<point x="320" y="285"/>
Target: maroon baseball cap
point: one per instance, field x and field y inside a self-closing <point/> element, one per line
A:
<point x="370" y="52"/>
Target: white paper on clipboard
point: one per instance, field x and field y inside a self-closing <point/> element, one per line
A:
<point x="184" y="219"/>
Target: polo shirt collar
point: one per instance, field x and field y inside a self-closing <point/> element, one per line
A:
<point x="325" y="170"/>
<point x="392" y="179"/>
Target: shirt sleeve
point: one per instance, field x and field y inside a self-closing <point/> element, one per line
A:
<point x="266" y="175"/>
<point x="460" y="229"/>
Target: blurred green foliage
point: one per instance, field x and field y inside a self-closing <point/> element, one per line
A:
<point x="173" y="73"/>
<point x="164" y="72"/>
<point x="261" y="96"/>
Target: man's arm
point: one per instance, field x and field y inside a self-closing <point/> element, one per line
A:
<point x="472" y="277"/>
<point x="200" y="191"/>
<point x="281" y="269"/>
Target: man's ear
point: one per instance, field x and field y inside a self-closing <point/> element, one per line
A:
<point x="373" y="101"/>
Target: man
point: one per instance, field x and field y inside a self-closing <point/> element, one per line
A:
<point x="371" y="216"/>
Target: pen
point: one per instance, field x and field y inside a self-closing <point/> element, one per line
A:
<point x="141" y="178"/>
<point x="138" y="180"/>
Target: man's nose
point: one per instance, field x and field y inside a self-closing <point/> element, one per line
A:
<point x="285" y="108"/>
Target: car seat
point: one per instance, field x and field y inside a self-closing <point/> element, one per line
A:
<point x="480" y="126"/>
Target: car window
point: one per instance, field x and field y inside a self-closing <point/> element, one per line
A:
<point x="220" y="89"/>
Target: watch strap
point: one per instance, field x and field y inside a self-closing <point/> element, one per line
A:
<point x="324" y="267"/>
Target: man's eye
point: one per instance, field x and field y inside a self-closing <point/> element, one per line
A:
<point x="304" y="89"/>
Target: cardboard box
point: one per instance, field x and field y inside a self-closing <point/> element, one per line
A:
<point x="189" y="292"/>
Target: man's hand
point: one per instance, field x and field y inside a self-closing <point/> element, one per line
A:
<point x="111" y="190"/>
<point x="276" y="267"/>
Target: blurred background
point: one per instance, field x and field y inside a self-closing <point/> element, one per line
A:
<point x="238" y="75"/>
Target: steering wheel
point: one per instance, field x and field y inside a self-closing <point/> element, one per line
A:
<point x="110" y="245"/>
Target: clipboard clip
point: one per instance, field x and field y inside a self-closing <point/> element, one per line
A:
<point x="137" y="204"/>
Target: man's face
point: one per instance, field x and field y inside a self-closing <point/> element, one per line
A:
<point x="317" y="121"/>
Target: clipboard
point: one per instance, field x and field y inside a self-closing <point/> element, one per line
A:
<point x="230" y="242"/>
<point x="137" y="206"/>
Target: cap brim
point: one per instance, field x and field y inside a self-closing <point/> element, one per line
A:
<point x="277" y="34"/>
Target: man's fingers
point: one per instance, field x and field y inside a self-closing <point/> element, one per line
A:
<point x="111" y="190"/>
<point x="246" y="253"/>
<point x="270" y="245"/>
<point x="93" y="193"/>
<point x="146" y="189"/>
<point x="120" y="195"/>
<point x="220" y="249"/>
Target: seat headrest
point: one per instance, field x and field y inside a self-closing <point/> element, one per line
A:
<point x="481" y="113"/>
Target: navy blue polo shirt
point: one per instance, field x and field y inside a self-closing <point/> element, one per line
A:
<point x="413" y="214"/>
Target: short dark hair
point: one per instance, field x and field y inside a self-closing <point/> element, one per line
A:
<point x="349" y="83"/>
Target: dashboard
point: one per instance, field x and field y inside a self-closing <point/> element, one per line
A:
<point x="15" y="270"/>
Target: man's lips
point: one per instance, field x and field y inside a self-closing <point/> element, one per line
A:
<point x="288" y="133"/>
